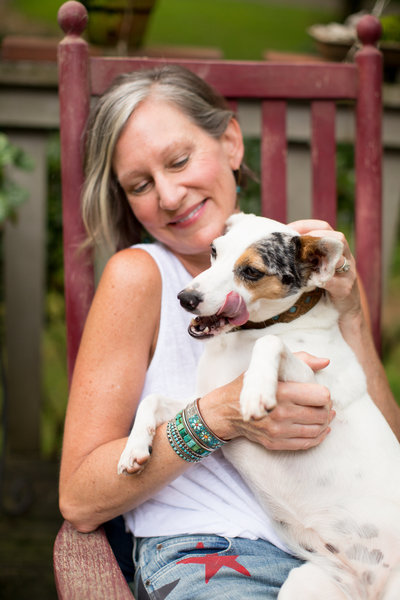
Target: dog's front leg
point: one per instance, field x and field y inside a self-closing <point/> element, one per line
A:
<point x="152" y="412"/>
<point x="271" y="361"/>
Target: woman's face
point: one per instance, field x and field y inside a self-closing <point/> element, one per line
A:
<point x="177" y="178"/>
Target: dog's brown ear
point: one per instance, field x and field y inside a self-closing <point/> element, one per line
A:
<point x="319" y="257"/>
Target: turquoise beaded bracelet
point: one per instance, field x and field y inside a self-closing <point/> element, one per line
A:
<point x="178" y="447"/>
<point x="183" y="440"/>
<point x="189" y="436"/>
<point x="199" y="428"/>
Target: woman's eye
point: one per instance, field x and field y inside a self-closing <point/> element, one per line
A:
<point x="180" y="163"/>
<point x="252" y="273"/>
<point x="140" y="188"/>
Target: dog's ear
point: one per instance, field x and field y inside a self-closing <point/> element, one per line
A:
<point x="319" y="257"/>
<point x="234" y="220"/>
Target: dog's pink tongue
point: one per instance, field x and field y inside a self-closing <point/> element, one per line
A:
<point x="234" y="309"/>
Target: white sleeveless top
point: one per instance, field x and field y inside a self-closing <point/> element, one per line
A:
<point x="210" y="497"/>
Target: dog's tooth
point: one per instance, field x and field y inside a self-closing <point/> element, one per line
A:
<point x="206" y="329"/>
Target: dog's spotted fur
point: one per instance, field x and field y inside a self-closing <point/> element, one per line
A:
<point x="337" y="506"/>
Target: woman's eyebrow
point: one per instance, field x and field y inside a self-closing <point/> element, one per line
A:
<point x="171" y="148"/>
<point x="177" y="146"/>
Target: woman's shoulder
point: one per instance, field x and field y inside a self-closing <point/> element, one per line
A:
<point x="132" y="265"/>
<point x="131" y="277"/>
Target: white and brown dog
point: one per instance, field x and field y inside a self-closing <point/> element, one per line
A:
<point x="336" y="505"/>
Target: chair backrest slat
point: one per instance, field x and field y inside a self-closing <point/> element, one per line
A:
<point x="368" y="166"/>
<point x="245" y="79"/>
<point x="323" y="156"/>
<point x="273" y="160"/>
<point x="74" y="95"/>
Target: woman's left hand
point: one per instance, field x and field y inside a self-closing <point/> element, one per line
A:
<point x="343" y="287"/>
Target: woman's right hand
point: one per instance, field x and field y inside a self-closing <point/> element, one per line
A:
<point x="299" y="421"/>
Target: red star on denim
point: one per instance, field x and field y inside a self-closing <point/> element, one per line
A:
<point x="214" y="562"/>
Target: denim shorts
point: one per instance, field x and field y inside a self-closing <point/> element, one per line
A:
<point x="201" y="567"/>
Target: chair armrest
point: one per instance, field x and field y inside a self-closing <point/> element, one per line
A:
<point x="85" y="567"/>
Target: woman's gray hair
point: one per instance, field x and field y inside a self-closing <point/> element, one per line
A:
<point x="106" y="213"/>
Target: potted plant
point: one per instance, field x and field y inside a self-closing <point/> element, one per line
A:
<point x="116" y="22"/>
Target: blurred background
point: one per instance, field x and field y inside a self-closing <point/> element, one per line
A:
<point x="33" y="393"/>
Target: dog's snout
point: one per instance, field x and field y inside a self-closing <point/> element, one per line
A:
<point x="189" y="300"/>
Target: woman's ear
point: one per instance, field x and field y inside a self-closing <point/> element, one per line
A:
<point x="232" y="141"/>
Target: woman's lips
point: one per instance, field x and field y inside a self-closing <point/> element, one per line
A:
<point x="190" y="216"/>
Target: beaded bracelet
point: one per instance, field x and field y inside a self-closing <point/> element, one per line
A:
<point x="181" y="438"/>
<point x="178" y="447"/>
<point x="181" y="442"/>
<point x="191" y="441"/>
<point x="189" y="436"/>
<point x="199" y="429"/>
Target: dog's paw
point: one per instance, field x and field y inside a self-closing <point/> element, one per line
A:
<point x="254" y="404"/>
<point x="134" y="458"/>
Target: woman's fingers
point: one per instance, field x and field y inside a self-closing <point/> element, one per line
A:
<point x="295" y="437"/>
<point x="292" y="393"/>
<point x="316" y="363"/>
<point x="300" y="420"/>
<point x="308" y="225"/>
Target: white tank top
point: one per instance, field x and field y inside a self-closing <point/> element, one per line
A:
<point x="210" y="497"/>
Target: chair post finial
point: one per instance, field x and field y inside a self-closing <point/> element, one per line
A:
<point x="72" y="18"/>
<point x="369" y="30"/>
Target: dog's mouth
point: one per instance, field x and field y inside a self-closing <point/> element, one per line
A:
<point x="232" y="313"/>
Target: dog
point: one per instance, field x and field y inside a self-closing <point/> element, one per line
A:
<point x="337" y="505"/>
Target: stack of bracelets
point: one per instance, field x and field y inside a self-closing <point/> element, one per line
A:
<point x="189" y="436"/>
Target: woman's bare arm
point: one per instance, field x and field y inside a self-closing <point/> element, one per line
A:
<point x="113" y="358"/>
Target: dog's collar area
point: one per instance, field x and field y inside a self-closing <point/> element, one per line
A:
<point x="305" y="303"/>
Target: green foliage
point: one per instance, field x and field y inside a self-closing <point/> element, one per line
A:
<point x="250" y="195"/>
<point x="11" y="194"/>
<point x="55" y="272"/>
<point x="390" y="28"/>
<point x="45" y="10"/>
<point x="55" y="381"/>
<point x="345" y="181"/>
<point x="242" y="29"/>
<point x="391" y="333"/>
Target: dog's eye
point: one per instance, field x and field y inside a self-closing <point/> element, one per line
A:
<point x="252" y="273"/>
<point x="213" y="251"/>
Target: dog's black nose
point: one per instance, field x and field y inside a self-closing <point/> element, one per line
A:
<point x="189" y="300"/>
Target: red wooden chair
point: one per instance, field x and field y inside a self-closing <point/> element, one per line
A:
<point x="84" y="564"/>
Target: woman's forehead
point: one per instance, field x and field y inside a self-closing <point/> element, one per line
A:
<point x="157" y="129"/>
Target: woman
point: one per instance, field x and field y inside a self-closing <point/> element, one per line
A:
<point x="164" y="151"/>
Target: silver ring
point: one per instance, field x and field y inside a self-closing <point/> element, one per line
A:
<point x="344" y="268"/>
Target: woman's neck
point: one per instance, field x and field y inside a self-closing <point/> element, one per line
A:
<point x="194" y="264"/>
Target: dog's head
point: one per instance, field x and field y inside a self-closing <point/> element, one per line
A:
<point x="259" y="268"/>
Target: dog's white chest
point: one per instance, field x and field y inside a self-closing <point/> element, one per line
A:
<point x="225" y="358"/>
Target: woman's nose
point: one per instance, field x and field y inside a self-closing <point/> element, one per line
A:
<point x="170" y="192"/>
